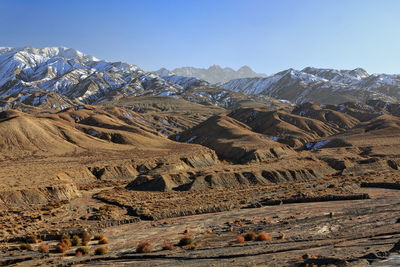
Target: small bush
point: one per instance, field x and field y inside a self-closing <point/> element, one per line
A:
<point x="32" y="239"/>
<point x="249" y="236"/>
<point x="26" y="246"/>
<point x="82" y="251"/>
<point x="101" y="250"/>
<point x="76" y="241"/>
<point x="61" y="247"/>
<point x="186" y="240"/>
<point x="103" y="241"/>
<point x="66" y="236"/>
<point x="99" y="237"/>
<point x="168" y="247"/>
<point x="66" y="242"/>
<point x="86" y="237"/>
<point x="78" y="254"/>
<point x="43" y="248"/>
<point x="144" y="247"/>
<point x="281" y="236"/>
<point x="263" y="237"/>
<point x="240" y="239"/>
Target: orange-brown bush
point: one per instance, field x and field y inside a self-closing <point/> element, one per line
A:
<point x="249" y="236"/>
<point x="240" y="239"/>
<point x="43" y="248"/>
<point x="101" y="250"/>
<point x="186" y="240"/>
<point x="168" y="247"/>
<point x="104" y="240"/>
<point x="61" y="247"/>
<point x="263" y="237"/>
<point x="144" y="247"/>
<point x="189" y="247"/>
<point x="99" y="236"/>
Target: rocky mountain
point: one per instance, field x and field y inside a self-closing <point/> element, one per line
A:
<point x="72" y="74"/>
<point x="321" y="85"/>
<point x="215" y="74"/>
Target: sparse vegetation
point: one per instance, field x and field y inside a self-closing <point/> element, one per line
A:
<point x="62" y="247"/>
<point x="144" y="247"/>
<point x="43" y="248"/>
<point x="240" y="239"/>
<point x="82" y="251"/>
<point x="250" y="236"/>
<point x="99" y="236"/>
<point x="101" y="250"/>
<point x="26" y="246"/>
<point x="281" y="236"/>
<point x="263" y="237"/>
<point x="86" y="237"/>
<point x="32" y="239"/>
<point x="76" y="241"/>
<point x="103" y="241"/>
<point x="186" y="240"/>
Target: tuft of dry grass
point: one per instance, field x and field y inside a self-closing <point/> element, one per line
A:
<point x="144" y="247"/>
<point x="101" y="250"/>
<point x="281" y="236"/>
<point x="32" y="239"/>
<point x="82" y="251"/>
<point x="86" y="237"/>
<point x="263" y="237"/>
<point x="76" y="241"/>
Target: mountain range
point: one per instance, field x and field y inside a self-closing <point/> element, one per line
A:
<point x="58" y="77"/>
<point x="215" y="74"/>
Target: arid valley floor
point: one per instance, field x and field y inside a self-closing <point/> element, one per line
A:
<point x="321" y="181"/>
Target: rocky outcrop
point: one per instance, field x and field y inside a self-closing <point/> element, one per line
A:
<point x="39" y="195"/>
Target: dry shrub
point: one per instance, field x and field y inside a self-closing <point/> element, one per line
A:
<point x="86" y="237"/>
<point x="61" y="247"/>
<point x="144" y="247"/>
<point x="43" y="248"/>
<point x="263" y="237"/>
<point x="78" y="254"/>
<point x="249" y="236"/>
<point x="26" y="246"/>
<point x="76" y="241"/>
<point x="240" y="239"/>
<point x="82" y="251"/>
<point x="32" y="239"/>
<point x="186" y="240"/>
<point x="103" y="241"/>
<point x="282" y="236"/>
<point x="209" y="231"/>
<point x="66" y="242"/>
<point x="101" y="250"/>
<point x="168" y="247"/>
<point x="99" y="237"/>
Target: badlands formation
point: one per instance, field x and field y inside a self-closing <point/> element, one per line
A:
<point x="172" y="172"/>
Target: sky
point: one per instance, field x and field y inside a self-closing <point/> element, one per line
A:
<point x="267" y="35"/>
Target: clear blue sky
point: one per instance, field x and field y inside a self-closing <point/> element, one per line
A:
<point x="267" y="35"/>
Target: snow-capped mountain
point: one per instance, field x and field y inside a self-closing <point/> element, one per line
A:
<point x="70" y="73"/>
<point x="214" y="74"/>
<point x="321" y="85"/>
